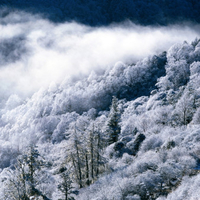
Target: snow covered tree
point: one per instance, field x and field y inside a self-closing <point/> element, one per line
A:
<point x="95" y="144"/>
<point x="23" y="180"/>
<point x="65" y="186"/>
<point x="33" y="163"/>
<point x="16" y="186"/>
<point x="113" y="127"/>
<point x="76" y="158"/>
<point x="184" y="109"/>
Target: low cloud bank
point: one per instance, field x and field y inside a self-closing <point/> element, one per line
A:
<point x="35" y="52"/>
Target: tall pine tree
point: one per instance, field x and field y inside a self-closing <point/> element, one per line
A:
<point x="113" y="127"/>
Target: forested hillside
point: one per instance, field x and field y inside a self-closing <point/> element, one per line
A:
<point x="131" y="132"/>
<point x="99" y="100"/>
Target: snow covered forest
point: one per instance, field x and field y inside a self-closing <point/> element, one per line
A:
<point x="99" y="113"/>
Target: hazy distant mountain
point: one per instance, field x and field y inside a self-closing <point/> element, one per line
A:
<point x="104" y="12"/>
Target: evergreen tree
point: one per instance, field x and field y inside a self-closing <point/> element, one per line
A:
<point x="113" y="127"/>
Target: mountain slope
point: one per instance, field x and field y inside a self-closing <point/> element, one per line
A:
<point x="158" y="142"/>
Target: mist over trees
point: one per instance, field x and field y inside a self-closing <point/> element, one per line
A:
<point x="128" y="131"/>
<point x="98" y="12"/>
<point x="135" y="135"/>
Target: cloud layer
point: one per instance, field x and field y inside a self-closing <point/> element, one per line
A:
<point x="35" y="52"/>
